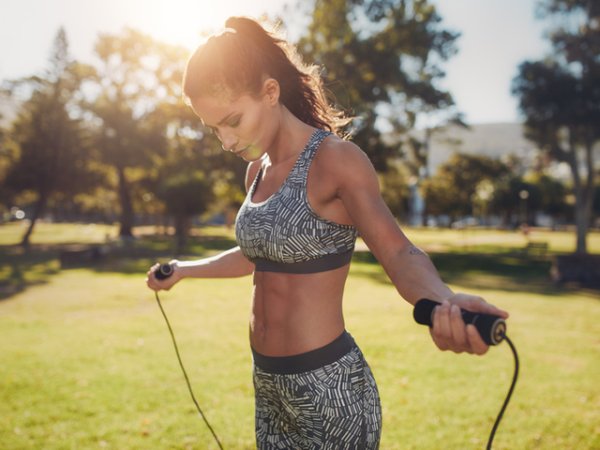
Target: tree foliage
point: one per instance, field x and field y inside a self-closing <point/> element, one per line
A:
<point x="454" y="187"/>
<point x="560" y="99"/>
<point x="381" y="60"/>
<point x="395" y="190"/>
<point x="135" y="77"/>
<point x="185" y="195"/>
<point x="52" y="153"/>
<point x="189" y="179"/>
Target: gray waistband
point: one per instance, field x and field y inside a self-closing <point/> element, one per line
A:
<point x="322" y="264"/>
<point x="308" y="361"/>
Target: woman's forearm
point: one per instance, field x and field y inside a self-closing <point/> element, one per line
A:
<point x="415" y="276"/>
<point x="229" y="264"/>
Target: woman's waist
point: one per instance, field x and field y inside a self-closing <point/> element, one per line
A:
<point x="294" y="323"/>
<point x="294" y="336"/>
<point x="312" y="359"/>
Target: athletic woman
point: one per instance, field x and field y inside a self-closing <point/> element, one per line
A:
<point x="310" y="194"/>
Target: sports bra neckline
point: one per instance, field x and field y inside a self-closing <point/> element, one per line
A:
<point x="256" y="181"/>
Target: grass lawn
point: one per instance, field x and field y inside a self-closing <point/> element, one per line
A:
<point x="86" y="360"/>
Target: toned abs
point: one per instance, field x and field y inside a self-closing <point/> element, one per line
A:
<point x="296" y="313"/>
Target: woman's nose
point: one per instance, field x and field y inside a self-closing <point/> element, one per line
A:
<point x="228" y="143"/>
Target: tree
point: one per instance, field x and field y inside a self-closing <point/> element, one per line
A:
<point x="381" y="61"/>
<point x="136" y="76"/>
<point x="193" y="175"/>
<point x="515" y="200"/>
<point x="52" y="153"/>
<point x="8" y="154"/>
<point x="553" y="195"/>
<point x="455" y="185"/>
<point x="560" y="100"/>
<point x="185" y="194"/>
<point x="395" y="190"/>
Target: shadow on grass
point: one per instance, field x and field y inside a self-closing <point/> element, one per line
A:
<point x="503" y="270"/>
<point x="135" y="257"/>
<point x="23" y="268"/>
<point x="500" y="269"/>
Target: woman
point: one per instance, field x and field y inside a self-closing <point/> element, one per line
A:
<point x="310" y="194"/>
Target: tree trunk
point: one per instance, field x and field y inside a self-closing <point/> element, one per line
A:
<point x="126" y="221"/>
<point x="581" y="222"/>
<point x="181" y="231"/>
<point x="590" y="180"/>
<point x="585" y="203"/>
<point x="582" y="212"/>
<point x="578" y="191"/>
<point x="38" y="210"/>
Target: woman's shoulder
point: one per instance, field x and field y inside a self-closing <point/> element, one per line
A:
<point x="344" y="165"/>
<point x="342" y="154"/>
<point x="334" y="143"/>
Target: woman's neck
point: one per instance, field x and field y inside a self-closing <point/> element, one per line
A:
<point x="290" y="137"/>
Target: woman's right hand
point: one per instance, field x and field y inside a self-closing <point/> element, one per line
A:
<point x="163" y="285"/>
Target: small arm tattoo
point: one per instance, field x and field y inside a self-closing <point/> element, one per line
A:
<point x="416" y="251"/>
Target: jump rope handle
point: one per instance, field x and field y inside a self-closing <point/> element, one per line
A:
<point x="492" y="329"/>
<point x="164" y="271"/>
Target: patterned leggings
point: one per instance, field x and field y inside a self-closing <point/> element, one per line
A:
<point x="335" y="406"/>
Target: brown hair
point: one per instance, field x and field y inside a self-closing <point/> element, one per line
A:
<point x="238" y="60"/>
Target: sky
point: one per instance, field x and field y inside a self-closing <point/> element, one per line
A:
<point x="496" y="35"/>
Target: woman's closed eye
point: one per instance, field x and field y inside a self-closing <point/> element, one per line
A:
<point x="234" y="122"/>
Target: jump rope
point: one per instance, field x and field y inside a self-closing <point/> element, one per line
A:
<point x="163" y="272"/>
<point x="492" y="330"/>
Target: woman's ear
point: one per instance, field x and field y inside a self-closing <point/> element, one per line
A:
<point x="271" y="90"/>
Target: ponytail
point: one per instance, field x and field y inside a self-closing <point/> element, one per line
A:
<point x="238" y="60"/>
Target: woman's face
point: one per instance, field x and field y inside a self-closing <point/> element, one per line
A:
<point x="243" y="124"/>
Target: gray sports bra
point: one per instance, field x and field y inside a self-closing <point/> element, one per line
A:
<point x="284" y="234"/>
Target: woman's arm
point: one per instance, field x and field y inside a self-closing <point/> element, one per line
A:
<point x="409" y="268"/>
<point x="229" y="264"/>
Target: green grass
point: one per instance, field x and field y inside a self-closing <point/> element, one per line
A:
<point x="21" y="268"/>
<point x="86" y="361"/>
<point x="49" y="233"/>
<point x="484" y="240"/>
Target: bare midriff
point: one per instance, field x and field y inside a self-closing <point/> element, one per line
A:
<point x="296" y="313"/>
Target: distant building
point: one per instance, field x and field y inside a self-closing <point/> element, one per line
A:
<point x="495" y="140"/>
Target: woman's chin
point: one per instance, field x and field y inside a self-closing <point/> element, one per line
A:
<point x="250" y="153"/>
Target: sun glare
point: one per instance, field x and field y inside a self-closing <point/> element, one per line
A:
<point x="186" y="22"/>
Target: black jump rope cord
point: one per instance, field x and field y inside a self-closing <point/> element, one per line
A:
<point x="187" y="380"/>
<point x="508" y="395"/>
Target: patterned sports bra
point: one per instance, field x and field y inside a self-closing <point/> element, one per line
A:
<point x="284" y="234"/>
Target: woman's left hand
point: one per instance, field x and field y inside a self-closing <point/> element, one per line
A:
<point x="449" y="332"/>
